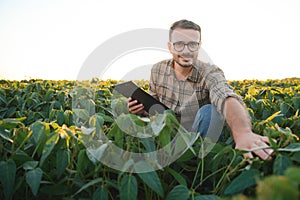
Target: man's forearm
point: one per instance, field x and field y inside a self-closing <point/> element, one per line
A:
<point x="239" y="122"/>
<point x="236" y="117"/>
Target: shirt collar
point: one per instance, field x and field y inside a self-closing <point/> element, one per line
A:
<point x="193" y="75"/>
<point x="170" y="66"/>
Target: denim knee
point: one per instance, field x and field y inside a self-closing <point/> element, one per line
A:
<point x="209" y="122"/>
<point x="202" y="120"/>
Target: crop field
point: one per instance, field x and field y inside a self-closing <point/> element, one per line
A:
<point x="57" y="141"/>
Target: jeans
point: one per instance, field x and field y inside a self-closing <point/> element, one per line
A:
<point x="209" y="122"/>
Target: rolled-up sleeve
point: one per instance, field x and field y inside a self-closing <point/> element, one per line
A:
<point x="152" y="87"/>
<point x="219" y="89"/>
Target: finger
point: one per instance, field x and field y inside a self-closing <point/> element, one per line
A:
<point x="262" y="154"/>
<point x="269" y="152"/>
<point x="136" y="109"/>
<point x="266" y="139"/>
<point x="134" y="106"/>
<point x="132" y="103"/>
<point x="249" y="156"/>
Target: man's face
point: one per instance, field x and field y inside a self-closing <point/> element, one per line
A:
<point x="184" y="46"/>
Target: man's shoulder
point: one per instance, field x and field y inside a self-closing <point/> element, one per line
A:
<point x="162" y="64"/>
<point x="206" y="66"/>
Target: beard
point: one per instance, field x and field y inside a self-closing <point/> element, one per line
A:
<point x="184" y="60"/>
<point x="182" y="64"/>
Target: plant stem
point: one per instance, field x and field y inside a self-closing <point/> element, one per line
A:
<point x="224" y="174"/>
<point x="198" y="167"/>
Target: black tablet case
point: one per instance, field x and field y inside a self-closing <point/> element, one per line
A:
<point x="130" y="89"/>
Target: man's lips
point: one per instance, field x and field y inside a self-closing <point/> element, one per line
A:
<point x="185" y="58"/>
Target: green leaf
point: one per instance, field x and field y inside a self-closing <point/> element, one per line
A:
<point x="11" y="123"/>
<point x="40" y="130"/>
<point x="128" y="188"/>
<point x="3" y="98"/>
<point x="7" y="177"/>
<point x="100" y="194"/>
<point x="127" y="166"/>
<point x="97" y="122"/>
<point x="48" y="147"/>
<point x="33" y="179"/>
<point x="178" y="177"/>
<point x="29" y="165"/>
<point x="20" y="158"/>
<point x="151" y="178"/>
<point x="293" y="173"/>
<point x="11" y="112"/>
<point x="82" y="161"/>
<point x="272" y="143"/>
<point x="92" y="182"/>
<point x="186" y="156"/>
<point x="178" y="192"/>
<point x="284" y="107"/>
<point x="281" y="163"/>
<point x="60" y="117"/>
<point x="180" y="146"/>
<point x="96" y="152"/>
<point x="294" y="147"/>
<point x="270" y="118"/>
<point x="106" y="118"/>
<point x="21" y="136"/>
<point x="164" y="137"/>
<point x="5" y="135"/>
<point x="63" y="157"/>
<point x="149" y="144"/>
<point x="118" y="135"/>
<point x="207" y="197"/>
<point x="158" y="124"/>
<point x="296" y="101"/>
<point x="81" y="113"/>
<point x="296" y="157"/>
<point x="68" y="117"/>
<point x="243" y="181"/>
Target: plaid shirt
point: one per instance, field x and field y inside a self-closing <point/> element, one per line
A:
<point x="205" y="84"/>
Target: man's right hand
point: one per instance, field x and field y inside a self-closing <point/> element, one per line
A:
<point x="136" y="108"/>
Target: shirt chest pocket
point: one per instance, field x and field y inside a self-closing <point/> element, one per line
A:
<point x="167" y="95"/>
<point x="202" y="94"/>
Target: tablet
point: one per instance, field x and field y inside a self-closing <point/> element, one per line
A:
<point x="130" y="89"/>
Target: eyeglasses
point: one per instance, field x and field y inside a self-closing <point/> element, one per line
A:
<point x="192" y="46"/>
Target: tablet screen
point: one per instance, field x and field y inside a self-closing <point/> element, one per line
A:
<point x="130" y="89"/>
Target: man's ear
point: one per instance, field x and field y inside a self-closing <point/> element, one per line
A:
<point x="170" y="46"/>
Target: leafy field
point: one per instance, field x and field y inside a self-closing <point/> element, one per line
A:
<point x="55" y="137"/>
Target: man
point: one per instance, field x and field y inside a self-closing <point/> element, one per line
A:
<point x="198" y="92"/>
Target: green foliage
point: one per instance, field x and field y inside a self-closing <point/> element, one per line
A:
<point x="243" y="181"/>
<point x="277" y="187"/>
<point x="128" y="188"/>
<point x="7" y="177"/>
<point x="54" y="135"/>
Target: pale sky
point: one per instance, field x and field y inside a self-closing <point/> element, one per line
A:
<point x="248" y="39"/>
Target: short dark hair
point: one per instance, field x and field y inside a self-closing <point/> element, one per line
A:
<point x="184" y="24"/>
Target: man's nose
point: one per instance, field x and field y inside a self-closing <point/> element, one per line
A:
<point x="186" y="49"/>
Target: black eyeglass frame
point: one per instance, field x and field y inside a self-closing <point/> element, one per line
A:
<point x="186" y="44"/>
